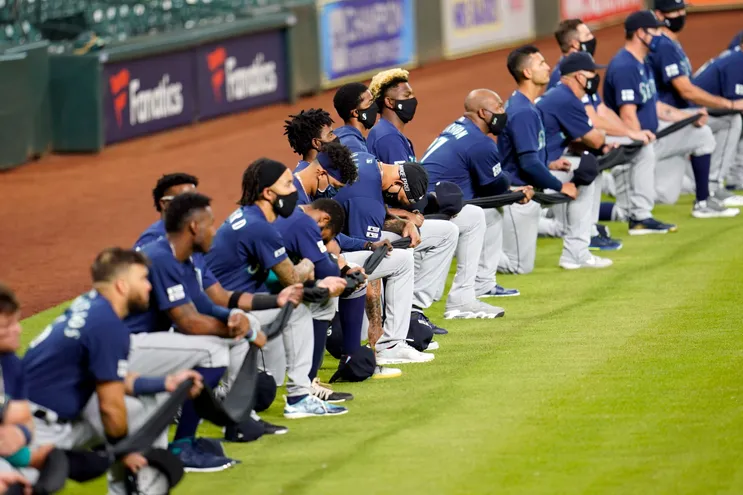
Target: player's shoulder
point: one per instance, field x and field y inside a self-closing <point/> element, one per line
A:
<point x="10" y="363"/>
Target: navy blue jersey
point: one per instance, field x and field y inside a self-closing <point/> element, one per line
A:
<point x="594" y="100"/>
<point x="669" y="62"/>
<point x="174" y="283"/>
<point x="565" y="119"/>
<point x="302" y="239"/>
<point x="352" y="139"/>
<point x="245" y="249"/>
<point x="736" y="41"/>
<point x="631" y="82"/>
<point x="13" y="382"/>
<point x="524" y="133"/>
<point x="723" y="76"/>
<point x="388" y="144"/>
<point x="363" y="201"/>
<point x="85" y="346"/>
<point x="156" y="231"/>
<point x="303" y="198"/>
<point x="464" y="155"/>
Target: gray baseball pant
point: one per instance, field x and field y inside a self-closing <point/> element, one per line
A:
<point x="397" y="270"/>
<point x="727" y="132"/>
<point x="290" y="356"/>
<point x="492" y="250"/>
<point x="471" y="256"/>
<point x="735" y="174"/>
<point x="671" y="155"/>
<point x="88" y="431"/>
<point x="432" y="259"/>
<point x="521" y="227"/>
<point x="635" y="183"/>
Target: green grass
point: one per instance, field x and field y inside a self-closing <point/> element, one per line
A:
<point x="625" y="380"/>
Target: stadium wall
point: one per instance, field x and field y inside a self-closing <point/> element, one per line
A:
<point x="82" y="103"/>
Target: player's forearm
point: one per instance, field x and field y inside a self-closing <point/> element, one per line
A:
<point x="609" y="122"/>
<point x="700" y="97"/>
<point x="374" y="310"/>
<point x="629" y="117"/>
<point x="394" y="225"/>
<point x="669" y="113"/>
<point x="200" y="324"/>
<point x="113" y="418"/>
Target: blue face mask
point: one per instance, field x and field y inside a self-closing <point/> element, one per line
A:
<point x="654" y="42"/>
<point x="328" y="193"/>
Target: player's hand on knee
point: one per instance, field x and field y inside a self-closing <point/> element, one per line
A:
<point x="12" y="440"/>
<point x="134" y="461"/>
<point x="570" y="189"/>
<point x="238" y="325"/>
<point x="411" y="230"/>
<point x="260" y="339"/>
<point x="383" y="242"/>
<point x="173" y="381"/>
<point x="306" y="270"/>
<point x="705" y="118"/>
<point x="528" y="193"/>
<point x="335" y="285"/>
<point x="561" y="164"/>
<point x="738" y="105"/>
<point x="291" y="294"/>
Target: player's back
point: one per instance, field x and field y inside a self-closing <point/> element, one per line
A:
<point x="559" y="109"/>
<point x="352" y="139"/>
<point x="86" y="345"/>
<point x="522" y="114"/>
<point x="668" y="62"/>
<point x="723" y="75"/>
<point x="630" y="81"/>
<point x="388" y="144"/>
<point x="363" y="201"/>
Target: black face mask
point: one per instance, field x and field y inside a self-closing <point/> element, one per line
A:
<point x="589" y="46"/>
<point x="405" y="109"/>
<point x="285" y="205"/>
<point x="368" y="116"/>
<point x="391" y="198"/>
<point x="592" y="85"/>
<point x="675" y="24"/>
<point x="336" y="140"/>
<point x="497" y="123"/>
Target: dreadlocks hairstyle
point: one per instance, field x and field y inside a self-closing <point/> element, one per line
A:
<point x="305" y="127"/>
<point x="518" y="58"/>
<point x="8" y="303"/>
<point x="341" y="159"/>
<point x="112" y="261"/>
<point x="384" y="81"/>
<point x="259" y="175"/>
<point x="182" y="207"/>
<point x="347" y="99"/>
<point x="566" y="32"/>
<point x="171" y="180"/>
<point x="334" y="210"/>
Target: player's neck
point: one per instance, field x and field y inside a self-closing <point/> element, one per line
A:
<point x="181" y="245"/>
<point x="669" y="33"/>
<point x="639" y="52"/>
<point x="267" y="209"/>
<point x="310" y="155"/>
<point x="118" y="303"/>
<point x="577" y="90"/>
<point x="356" y="125"/>
<point x="305" y="180"/>
<point x="530" y="90"/>
<point x="393" y="119"/>
<point x="390" y="173"/>
<point x="479" y="123"/>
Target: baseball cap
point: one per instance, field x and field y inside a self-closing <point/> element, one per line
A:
<point x="414" y="181"/>
<point x="669" y="5"/>
<point x="642" y="19"/>
<point x="578" y="61"/>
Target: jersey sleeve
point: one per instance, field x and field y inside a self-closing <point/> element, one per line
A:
<point x="359" y="223"/>
<point x="669" y="62"/>
<point x="309" y="242"/>
<point x="391" y="149"/>
<point x="108" y="350"/>
<point x="168" y="286"/>
<point x="485" y="163"/>
<point x="266" y="245"/>
<point x="525" y="129"/>
<point x="208" y="277"/>
<point x="574" y="120"/>
<point x="349" y="243"/>
<point x="626" y="87"/>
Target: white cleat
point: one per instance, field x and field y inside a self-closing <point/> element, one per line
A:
<point x="712" y="208"/>
<point x="402" y="353"/>
<point x="433" y="346"/>
<point x="473" y="310"/>
<point x="592" y="262"/>
<point x="383" y="372"/>
<point x="728" y="199"/>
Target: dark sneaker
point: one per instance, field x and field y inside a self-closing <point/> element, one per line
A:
<point x="196" y="461"/>
<point x="268" y="428"/>
<point x="249" y="430"/>
<point x="424" y="320"/>
<point x="499" y="291"/>
<point x="599" y="243"/>
<point x="650" y="226"/>
<point x="210" y="446"/>
<point x="324" y="392"/>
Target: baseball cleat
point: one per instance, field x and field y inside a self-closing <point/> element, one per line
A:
<point x="475" y="309"/>
<point x="310" y="407"/>
<point x="210" y="446"/>
<point x="433" y="346"/>
<point x="423" y="319"/>
<point x="382" y="372"/>
<point x="402" y="353"/>
<point x="591" y="262"/>
<point x="599" y="243"/>
<point x="268" y="428"/>
<point x="650" y="226"/>
<point x="712" y="208"/>
<point x="324" y="392"/>
<point x="196" y="461"/>
<point x="728" y="199"/>
<point x="499" y="291"/>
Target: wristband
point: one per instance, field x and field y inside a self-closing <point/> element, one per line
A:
<point x="368" y="246"/>
<point x="252" y="335"/>
<point x="234" y="298"/>
<point x="26" y="433"/>
<point x="345" y="270"/>
<point x="148" y="385"/>
<point x="114" y="440"/>
<point x="265" y="301"/>
<point x="21" y="458"/>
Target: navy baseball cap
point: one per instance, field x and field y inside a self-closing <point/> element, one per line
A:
<point x="578" y="61"/>
<point x="642" y="19"/>
<point x="669" y="5"/>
